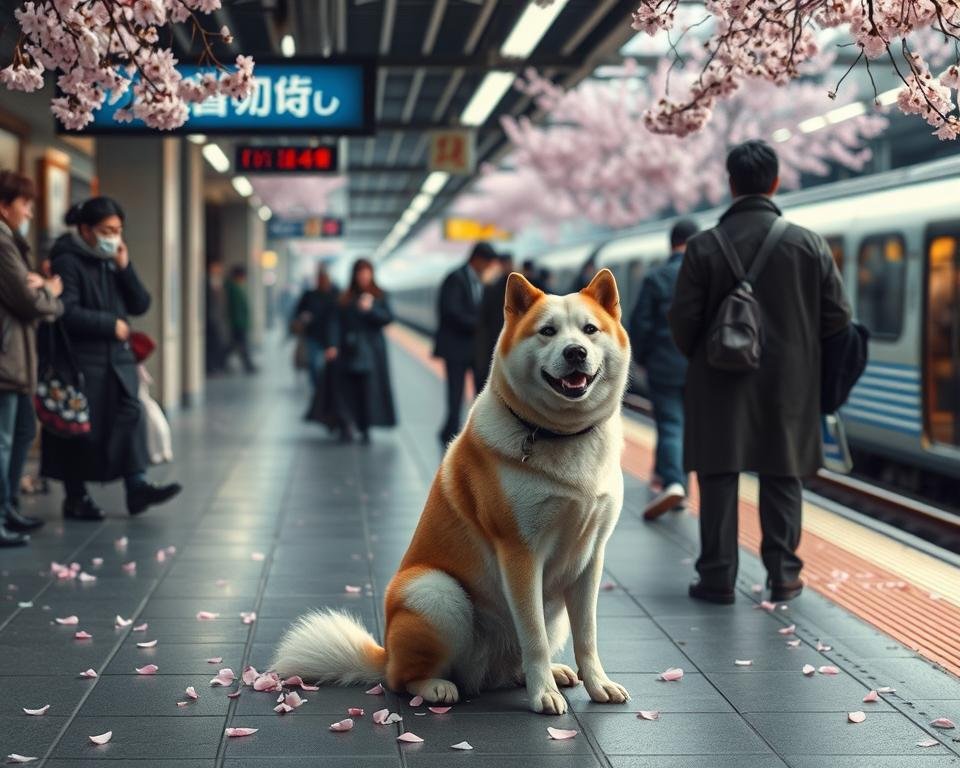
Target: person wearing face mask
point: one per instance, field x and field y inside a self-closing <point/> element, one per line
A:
<point x="26" y="299"/>
<point x="101" y="291"/>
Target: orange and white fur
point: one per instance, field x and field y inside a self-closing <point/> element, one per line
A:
<point x="508" y="554"/>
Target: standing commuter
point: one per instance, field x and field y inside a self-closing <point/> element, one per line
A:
<point x="101" y="291"/>
<point x="365" y="388"/>
<point x="26" y="298"/>
<point x="238" y="312"/>
<point x="765" y="420"/>
<point x="316" y="317"/>
<point x="666" y="368"/>
<point x="457" y="310"/>
<point x="490" y="321"/>
<point x="216" y="319"/>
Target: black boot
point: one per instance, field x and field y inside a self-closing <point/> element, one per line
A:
<point x="11" y="539"/>
<point x="14" y="521"/>
<point x="82" y="508"/>
<point x="147" y="495"/>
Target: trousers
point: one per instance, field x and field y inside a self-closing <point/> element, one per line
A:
<point x="18" y="427"/>
<point x="668" y="412"/>
<point x="456" y="381"/>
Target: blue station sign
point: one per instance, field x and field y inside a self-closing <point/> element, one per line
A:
<point x="289" y="97"/>
<point x="322" y="227"/>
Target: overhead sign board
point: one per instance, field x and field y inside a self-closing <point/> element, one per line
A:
<point x="315" y="227"/>
<point x="285" y="160"/>
<point x="453" y="152"/>
<point x="289" y="96"/>
<point x="468" y="230"/>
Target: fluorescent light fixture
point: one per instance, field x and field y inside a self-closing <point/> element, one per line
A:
<point x="813" y="124"/>
<point x="288" y="46"/>
<point x="197" y="138"/>
<point x="530" y="29"/>
<point x="487" y="96"/>
<point x="214" y="155"/>
<point x="242" y="185"/>
<point x="845" y="112"/>
<point x="421" y="202"/>
<point x="887" y="98"/>
<point x="410" y="216"/>
<point x="400" y="229"/>
<point x="435" y="182"/>
<point x="781" y="135"/>
<point x="264" y="213"/>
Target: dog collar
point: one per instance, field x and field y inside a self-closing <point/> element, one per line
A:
<point x="536" y="432"/>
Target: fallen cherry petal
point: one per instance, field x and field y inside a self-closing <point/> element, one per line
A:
<point x="871" y="697"/>
<point x="928" y="743"/>
<point x="150" y="669"/>
<point x="282" y="709"/>
<point x="103" y="738"/>
<point x="81" y="635"/>
<point x="756" y="589"/>
<point x="355" y="711"/>
<point x="793" y="643"/>
<point x="234" y="695"/>
<point x="13" y="757"/>
<point x="290" y="681"/>
<point x="560" y="734"/>
<point x="343" y="725"/>
<point x="68" y="621"/>
<point x="215" y="660"/>
<point x="86" y="577"/>
<point x="41" y="711"/>
<point x="649" y="715"/>
<point x="672" y="674"/>
<point x="183" y="703"/>
<point x="258" y="556"/>
<point x="248" y="616"/>
<point x="234" y="732"/>
<point x="121" y="543"/>
<point x="120" y="622"/>
<point x="140" y="627"/>
<point x="943" y="722"/>
<point x="380" y="716"/>
<point x="305" y="687"/>
<point x="419" y="714"/>
<point x="392" y="718"/>
<point x="416" y="701"/>
<point x="97" y="562"/>
<point x="823" y="648"/>
<point x="464" y="745"/>
<point x="161" y="556"/>
<point x="377" y="690"/>
<point x="293" y="700"/>
<point x="192" y="693"/>
<point x="608" y="586"/>
<point x="249" y="675"/>
<point x="409" y="738"/>
<point x="766" y="605"/>
<point x="27" y="604"/>
<point x="171" y="550"/>
<point x="207" y="616"/>
<point x="147" y="644"/>
<point x="788" y="630"/>
<point x="89" y="673"/>
<point x="743" y="662"/>
<point x="352" y="590"/>
<point x="886" y="689"/>
<point x="856" y="717"/>
<point x="439" y="710"/>
<point x="829" y="671"/>
<point x="809" y="669"/>
<point x="130" y="567"/>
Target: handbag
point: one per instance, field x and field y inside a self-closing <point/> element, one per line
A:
<point x="59" y="401"/>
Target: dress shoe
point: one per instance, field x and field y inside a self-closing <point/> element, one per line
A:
<point x="148" y="495"/>
<point x="719" y="596"/>
<point x="780" y="593"/>
<point x="14" y="521"/>
<point x="11" y="539"/>
<point x="671" y="497"/>
<point x="82" y="508"/>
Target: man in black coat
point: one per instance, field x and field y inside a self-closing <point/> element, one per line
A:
<point x="766" y="421"/>
<point x="457" y="310"/>
<point x="490" y="321"/>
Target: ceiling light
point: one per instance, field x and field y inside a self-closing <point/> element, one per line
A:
<point x="242" y="185"/>
<point x="265" y="213"/>
<point x="813" y="124"/>
<point x="530" y="29"/>
<point x="421" y="202"/>
<point x="214" y="155"/>
<point x="846" y="112"/>
<point x="887" y="98"/>
<point x="435" y="182"/>
<point x="400" y="229"/>
<point x="487" y="96"/>
<point x="410" y="216"/>
<point x="288" y="46"/>
<point x="781" y="135"/>
<point x="197" y="138"/>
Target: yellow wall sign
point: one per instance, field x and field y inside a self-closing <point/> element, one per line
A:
<point x="461" y="230"/>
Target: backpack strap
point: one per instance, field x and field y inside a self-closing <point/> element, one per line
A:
<point x="726" y="247"/>
<point x="770" y="242"/>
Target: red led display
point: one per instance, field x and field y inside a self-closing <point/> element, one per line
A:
<point x="287" y="159"/>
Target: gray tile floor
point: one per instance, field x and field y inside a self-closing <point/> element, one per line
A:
<point x="323" y="516"/>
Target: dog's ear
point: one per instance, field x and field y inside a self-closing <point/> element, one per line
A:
<point x="603" y="290"/>
<point x="521" y="295"/>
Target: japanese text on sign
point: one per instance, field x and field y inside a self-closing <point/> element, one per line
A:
<point x="452" y="152"/>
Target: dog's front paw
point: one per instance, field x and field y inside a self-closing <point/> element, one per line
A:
<point x="563" y="676"/>
<point x="604" y="691"/>
<point x="547" y="702"/>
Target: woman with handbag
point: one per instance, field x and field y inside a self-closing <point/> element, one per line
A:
<point x="101" y="291"/>
<point x="26" y="298"/>
<point x="365" y="391"/>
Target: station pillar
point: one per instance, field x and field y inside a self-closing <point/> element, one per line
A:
<point x="193" y="275"/>
<point x="144" y="176"/>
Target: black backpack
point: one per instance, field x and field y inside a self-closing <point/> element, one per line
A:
<point x="736" y="337"/>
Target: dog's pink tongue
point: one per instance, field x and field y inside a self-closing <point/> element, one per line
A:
<point x="575" y="380"/>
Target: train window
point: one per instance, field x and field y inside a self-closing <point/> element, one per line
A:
<point x="942" y="342"/>
<point x="881" y="272"/>
<point x="836" y="248"/>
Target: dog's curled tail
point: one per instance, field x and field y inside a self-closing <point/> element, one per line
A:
<point x="330" y="647"/>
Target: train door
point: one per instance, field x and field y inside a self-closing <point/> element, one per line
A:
<point x="942" y="335"/>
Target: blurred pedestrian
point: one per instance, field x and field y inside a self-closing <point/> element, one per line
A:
<point x="666" y="369"/>
<point x="101" y="291"/>
<point x="458" y="308"/>
<point x="316" y="319"/>
<point x="490" y="320"/>
<point x="26" y="298"/>
<point x="365" y="388"/>
<point x="216" y="331"/>
<point x="750" y="408"/>
<point x="238" y="314"/>
<point x="587" y="272"/>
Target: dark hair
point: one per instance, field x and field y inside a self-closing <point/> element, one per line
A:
<point x="682" y="231"/>
<point x="353" y="290"/>
<point x="91" y="212"/>
<point x="238" y="271"/>
<point x="14" y="185"/>
<point x="483" y="251"/>
<point x="753" y="167"/>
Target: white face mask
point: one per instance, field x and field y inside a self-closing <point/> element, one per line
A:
<point x="24" y="228"/>
<point x="109" y="245"/>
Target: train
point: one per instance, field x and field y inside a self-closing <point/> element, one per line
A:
<point x="895" y="237"/>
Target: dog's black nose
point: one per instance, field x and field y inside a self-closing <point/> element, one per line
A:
<point x="575" y="353"/>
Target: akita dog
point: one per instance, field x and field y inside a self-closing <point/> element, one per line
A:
<point x="508" y="554"/>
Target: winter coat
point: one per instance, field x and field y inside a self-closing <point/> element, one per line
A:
<point x="238" y="306"/>
<point x="489" y="325"/>
<point x="95" y="295"/>
<point x="363" y="351"/>
<point x="650" y="336"/>
<point x="21" y="308"/>
<point x="324" y="311"/>
<point x="457" y="314"/>
<point x="768" y="420"/>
